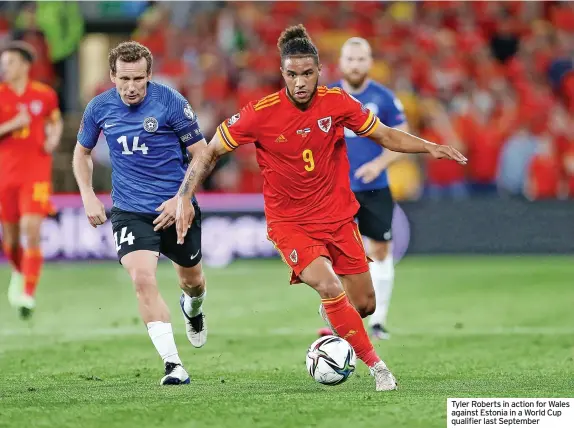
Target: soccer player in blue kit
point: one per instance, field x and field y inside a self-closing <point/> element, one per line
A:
<point x="369" y="180"/>
<point x="151" y="132"/>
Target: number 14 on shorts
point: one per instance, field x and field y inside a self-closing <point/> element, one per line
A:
<point x="124" y="237"/>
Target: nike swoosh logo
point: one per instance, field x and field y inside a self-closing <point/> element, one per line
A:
<point x="106" y="125"/>
<point x="195" y="255"/>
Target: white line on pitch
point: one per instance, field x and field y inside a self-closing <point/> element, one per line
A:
<point x="132" y="330"/>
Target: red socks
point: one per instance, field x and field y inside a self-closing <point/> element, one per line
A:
<point x="348" y="324"/>
<point x="14" y="256"/>
<point x="31" y="267"/>
<point x="28" y="263"/>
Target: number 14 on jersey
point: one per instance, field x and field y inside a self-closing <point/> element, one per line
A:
<point x="123" y="140"/>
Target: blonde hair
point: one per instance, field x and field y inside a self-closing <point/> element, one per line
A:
<point x="358" y="41"/>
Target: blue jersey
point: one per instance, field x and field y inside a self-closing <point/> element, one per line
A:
<point x="383" y="103"/>
<point x="147" y="144"/>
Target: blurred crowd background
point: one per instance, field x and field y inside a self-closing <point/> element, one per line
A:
<point x="495" y="79"/>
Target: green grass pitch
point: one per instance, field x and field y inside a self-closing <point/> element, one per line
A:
<point x="462" y="327"/>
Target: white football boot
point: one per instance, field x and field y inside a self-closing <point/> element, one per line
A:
<point x="195" y="327"/>
<point x="384" y="379"/>
<point x="175" y="374"/>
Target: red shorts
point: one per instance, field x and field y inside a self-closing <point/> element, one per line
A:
<point x="18" y="199"/>
<point x="300" y="245"/>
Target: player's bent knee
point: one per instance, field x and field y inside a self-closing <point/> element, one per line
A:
<point x="320" y="276"/>
<point x="30" y="227"/>
<point x="366" y="308"/>
<point x="328" y="288"/>
<point x="144" y="281"/>
<point x="191" y="278"/>
<point x="364" y="302"/>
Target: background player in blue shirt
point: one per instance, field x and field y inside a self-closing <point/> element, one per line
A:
<point x="369" y="180"/>
<point x="150" y="130"/>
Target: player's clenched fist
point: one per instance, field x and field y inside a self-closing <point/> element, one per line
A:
<point x="183" y="217"/>
<point x="95" y="210"/>
<point x="22" y="119"/>
<point x="446" y="152"/>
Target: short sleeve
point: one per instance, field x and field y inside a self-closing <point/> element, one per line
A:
<point x="89" y="130"/>
<point x="183" y="120"/>
<point x="239" y="129"/>
<point x="393" y="113"/>
<point x="357" y="117"/>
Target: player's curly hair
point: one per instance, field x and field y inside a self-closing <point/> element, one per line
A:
<point x="130" y="52"/>
<point x="295" y="41"/>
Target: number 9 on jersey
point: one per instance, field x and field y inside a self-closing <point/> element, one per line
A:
<point x="309" y="161"/>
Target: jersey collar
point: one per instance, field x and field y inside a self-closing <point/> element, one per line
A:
<point x="26" y="88"/>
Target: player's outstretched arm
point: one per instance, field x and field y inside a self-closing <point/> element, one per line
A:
<point x="400" y="141"/>
<point x="83" y="167"/>
<point x="197" y="171"/>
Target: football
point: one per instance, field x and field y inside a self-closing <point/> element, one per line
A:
<point x="331" y="360"/>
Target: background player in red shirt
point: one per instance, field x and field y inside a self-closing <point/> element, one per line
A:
<point x="309" y="205"/>
<point x="30" y="130"/>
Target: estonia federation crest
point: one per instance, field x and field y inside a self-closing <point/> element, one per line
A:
<point x="324" y="124"/>
<point x="150" y="124"/>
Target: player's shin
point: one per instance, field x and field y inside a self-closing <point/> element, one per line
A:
<point x="153" y="310"/>
<point x="193" y="301"/>
<point x="348" y="324"/>
<point x="383" y="273"/>
<point x="14" y="256"/>
<point x="32" y="262"/>
<point x="15" y="288"/>
<point x="161" y="334"/>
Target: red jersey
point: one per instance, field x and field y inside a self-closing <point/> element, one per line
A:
<point x="302" y="154"/>
<point x="22" y="154"/>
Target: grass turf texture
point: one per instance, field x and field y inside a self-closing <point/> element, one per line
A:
<point x="462" y="327"/>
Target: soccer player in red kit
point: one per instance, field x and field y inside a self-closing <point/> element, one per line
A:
<point x="309" y="205"/>
<point x="30" y="130"/>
